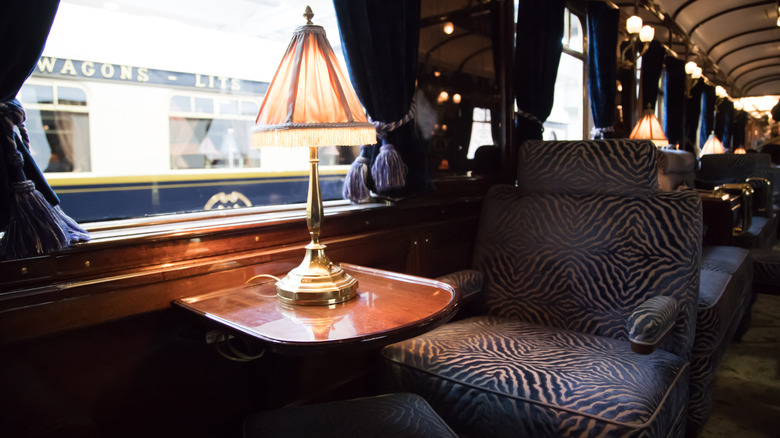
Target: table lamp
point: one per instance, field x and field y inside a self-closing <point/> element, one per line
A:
<point x="648" y="127"/>
<point x="310" y="103"/>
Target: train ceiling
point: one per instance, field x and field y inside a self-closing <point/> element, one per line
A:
<point x="736" y="42"/>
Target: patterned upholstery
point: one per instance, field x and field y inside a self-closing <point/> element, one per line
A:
<point x="725" y="296"/>
<point x="468" y="282"/>
<point x="390" y="416"/>
<point x="583" y="241"/>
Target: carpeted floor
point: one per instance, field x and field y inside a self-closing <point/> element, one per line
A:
<point x="747" y="387"/>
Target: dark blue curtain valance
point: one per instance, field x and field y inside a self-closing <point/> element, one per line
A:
<point x="652" y="65"/>
<point x="707" y="113"/>
<point x="674" y="99"/>
<point x="538" y="45"/>
<point x="603" y="22"/>
<point x="380" y="43"/>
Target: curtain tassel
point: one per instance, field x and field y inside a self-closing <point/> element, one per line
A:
<point x="389" y="170"/>
<point x="33" y="226"/>
<point x="356" y="183"/>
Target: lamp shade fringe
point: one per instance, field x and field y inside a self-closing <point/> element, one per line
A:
<point x="355" y="184"/>
<point x="33" y="226"/>
<point x="389" y="170"/>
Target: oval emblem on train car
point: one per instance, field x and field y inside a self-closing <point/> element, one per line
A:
<point x="221" y="201"/>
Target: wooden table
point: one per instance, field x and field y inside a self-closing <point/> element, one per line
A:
<point x="389" y="307"/>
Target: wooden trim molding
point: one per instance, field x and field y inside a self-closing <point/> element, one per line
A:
<point x="142" y="268"/>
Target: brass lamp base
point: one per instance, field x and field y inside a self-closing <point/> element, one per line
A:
<point x="316" y="281"/>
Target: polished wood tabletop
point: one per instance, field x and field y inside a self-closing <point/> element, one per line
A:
<point x="389" y="307"/>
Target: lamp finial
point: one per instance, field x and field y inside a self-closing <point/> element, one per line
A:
<point x="308" y="15"/>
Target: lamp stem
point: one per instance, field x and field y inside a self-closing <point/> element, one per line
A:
<point x="314" y="201"/>
<point x="316" y="281"/>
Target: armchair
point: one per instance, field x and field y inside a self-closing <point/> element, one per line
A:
<point x="583" y="256"/>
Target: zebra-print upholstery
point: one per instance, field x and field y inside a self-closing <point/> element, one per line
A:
<point x="567" y="257"/>
<point x="725" y="296"/>
<point x="468" y="282"/>
<point x="651" y="321"/>
<point x="390" y="416"/>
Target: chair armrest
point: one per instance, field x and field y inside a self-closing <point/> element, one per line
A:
<point x="468" y="282"/>
<point x="650" y="322"/>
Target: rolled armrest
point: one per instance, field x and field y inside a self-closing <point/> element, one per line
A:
<point x="468" y="282"/>
<point x="650" y="322"/>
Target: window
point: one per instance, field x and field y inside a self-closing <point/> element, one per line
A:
<point x="58" y="125"/>
<point x="567" y="119"/>
<point x="145" y="109"/>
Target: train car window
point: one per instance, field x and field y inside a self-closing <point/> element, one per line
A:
<point x="144" y="108"/>
<point x="567" y="120"/>
<point x="58" y="125"/>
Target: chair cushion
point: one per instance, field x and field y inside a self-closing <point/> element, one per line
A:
<point x="724" y="298"/>
<point x="391" y="416"/>
<point x="514" y="378"/>
<point x="590" y="167"/>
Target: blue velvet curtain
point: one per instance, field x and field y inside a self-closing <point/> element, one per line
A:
<point x="722" y="118"/>
<point x="538" y="45"/>
<point x="674" y="99"/>
<point x="692" y="114"/>
<point x="652" y="65"/>
<point x="380" y="43"/>
<point x="603" y="24"/>
<point x="30" y="216"/>
<point x="740" y="123"/>
<point x="24" y="27"/>
<point x="707" y="113"/>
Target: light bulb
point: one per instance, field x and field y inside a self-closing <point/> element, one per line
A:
<point x="696" y="73"/>
<point x="646" y="34"/>
<point x="456" y="98"/>
<point x="690" y="67"/>
<point x="634" y="24"/>
<point x="449" y="27"/>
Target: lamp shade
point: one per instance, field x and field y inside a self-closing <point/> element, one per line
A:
<point x="712" y="146"/>
<point x="634" y="24"/>
<point x="649" y="128"/>
<point x="310" y="102"/>
<point x="646" y="34"/>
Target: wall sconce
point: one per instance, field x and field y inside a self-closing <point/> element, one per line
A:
<point x="442" y="97"/>
<point x="637" y="34"/>
<point x="448" y="28"/>
<point x="693" y="73"/>
<point x="456" y="98"/>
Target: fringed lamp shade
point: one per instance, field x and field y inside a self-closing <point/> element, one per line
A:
<point x="712" y="146"/>
<point x="310" y="103"/>
<point x="649" y="128"/>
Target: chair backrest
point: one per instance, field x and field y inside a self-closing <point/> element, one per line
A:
<point x="676" y="168"/>
<point x="586" y="237"/>
<point x="731" y="167"/>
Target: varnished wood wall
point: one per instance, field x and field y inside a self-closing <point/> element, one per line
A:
<point x="89" y="339"/>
